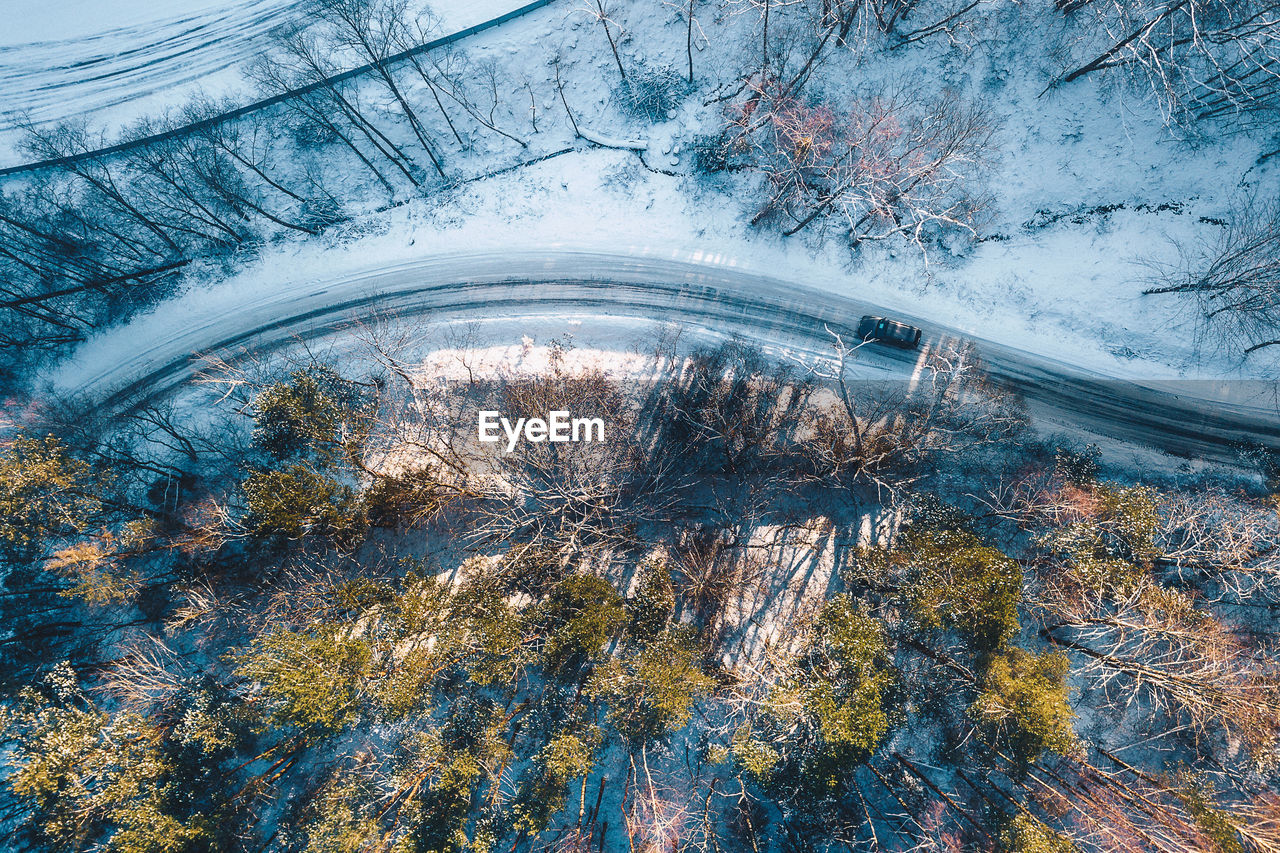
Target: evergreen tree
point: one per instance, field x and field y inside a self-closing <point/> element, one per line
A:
<point x="492" y="642"/>
<point x="1025" y="834"/>
<point x="296" y="501"/>
<point x="650" y="610"/>
<point x="469" y="751"/>
<point x="955" y="582"/>
<point x="316" y="415"/>
<point x="582" y="614"/>
<point x="651" y="691"/>
<point x="313" y="679"/>
<point x="567" y="757"/>
<point x="1197" y="796"/>
<point x="343" y="819"/>
<point x="829" y="714"/>
<point x="1023" y="708"/>
<point x="98" y="566"/>
<point x="122" y="784"/>
<point x="45" y="492"/>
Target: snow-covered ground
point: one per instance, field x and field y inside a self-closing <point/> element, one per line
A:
<point x="114" y="62"/>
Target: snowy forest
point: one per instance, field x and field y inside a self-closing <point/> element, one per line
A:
<point x="262" y="588"/>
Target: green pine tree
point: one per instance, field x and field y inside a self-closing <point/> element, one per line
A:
<point x="296" y="502"/>
<point x="582" y="614"/>
<point x="1023" y="707"/>
<point x="315" y="415"/>
<point x="650" y="692"/>
<point x="830" y="713"/>
<point x="44" y="492"/>
<point x="1025" y="834"/>
<point x="313" y="679"/>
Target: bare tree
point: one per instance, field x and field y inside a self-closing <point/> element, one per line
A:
<point x="371" y="30"/>
<point x="333" y="109"/>
<point x="455" y="70"/>
<point x="891" y="162"/>
<point x="1203" y="58"/>
<point x="882" y="431"/>
<point x="688" y="10"/>
<point x="767" y="13"/>
<point x="1228" y="539"/>
<point x="1154" y="642"/>
<point x="730" y="409"/>
<point x="602" y="14"/>
<point x="1112" y="805"/>
<point x="1234" y="276"/>
<point x="573" y="497"/>
<point x="891" y="18"/>
<point x="87" y="242"/>
<point x="233" y="159"/>
<point x="108" y="186"/>
<point x="411" y="33"/>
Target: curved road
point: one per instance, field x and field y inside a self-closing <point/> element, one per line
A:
<point x="1198" y="419"/>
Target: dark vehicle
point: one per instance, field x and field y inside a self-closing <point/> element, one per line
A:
<point x="888" y="332"/>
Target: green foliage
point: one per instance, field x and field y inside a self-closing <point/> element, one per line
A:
<point x="651" y="692"/>
<point x="929" y="512"/>
<point x="649" y="611"/>
<point x="424" y="635"/>
<point x="405" y="683"/>
<point x="44" y="492"/>
<point x="1023" y="708"/>
<point x="411" y="635"/>
<point x="1110" y="543"/>
<point x="313" y="678"/>
<point x="58" y="756"/>
<point x="956" y="582"/>
<point x="343" y="820"/>
<point x="490" y="636"/>
<point x="830" y="713"/>
<point x="469" y="750"/>
<point x="316" y="414"/>
<point x="357" y="595"/>
<point x="579" y="617"/>
<point x="213" y="726"/>
<point x="296" y="501"/>
<point x="94" y="568"/>
<point x="118" y="784"/>
<point x="845" y="678"/>
<point x="1129" y="521"/>
<point x="756" y="757"/>
<point x="1100" y="574"/>
<point x="569" y="756"/>
<point x="565" y="758"/>
<point x="1078" y="469"/>
<point x="1197" y="796"/>
<point x="1025" y="834"/>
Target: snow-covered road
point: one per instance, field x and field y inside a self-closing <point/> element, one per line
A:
<point x="113" y="62"/>
<point x="62" y="58"/>
<point x="1207" y="420"/>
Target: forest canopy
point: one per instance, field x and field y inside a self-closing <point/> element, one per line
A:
<point x="326" y="618"/>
